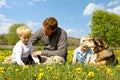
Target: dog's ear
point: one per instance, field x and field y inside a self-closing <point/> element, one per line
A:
<point x="100" y="44"/>
<point x="97" y="43"/>
<point x="104" y="44"/>
<point x="94" y="39"/>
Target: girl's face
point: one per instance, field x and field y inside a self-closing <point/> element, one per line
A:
<point x="84" y="49"/>
<point x="24" y="39"/>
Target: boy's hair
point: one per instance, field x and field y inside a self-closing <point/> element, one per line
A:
<point x="23" y="31"/>
<point x="50" y="22"/>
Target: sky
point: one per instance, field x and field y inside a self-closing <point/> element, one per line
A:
<point x="74" y="16"/>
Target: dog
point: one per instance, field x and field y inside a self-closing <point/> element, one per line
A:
<point x="102" y="52"/>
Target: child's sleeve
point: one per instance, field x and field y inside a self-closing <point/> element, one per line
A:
<point x="17" y="51"/>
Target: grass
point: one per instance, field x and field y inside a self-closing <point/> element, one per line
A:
<point x="60" y="71"/>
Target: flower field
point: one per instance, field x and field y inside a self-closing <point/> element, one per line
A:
<point x="58" y="72"/>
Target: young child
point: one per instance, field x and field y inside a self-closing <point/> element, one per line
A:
<point x="82" y="54"/>
<point x="22" y="51"/>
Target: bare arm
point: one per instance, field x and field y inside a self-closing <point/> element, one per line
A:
<point x="74" y="61"/>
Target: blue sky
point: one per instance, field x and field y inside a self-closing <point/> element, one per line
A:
<point x="74" y="16"/>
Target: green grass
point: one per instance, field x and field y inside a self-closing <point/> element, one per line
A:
<point x="60" y="71"/>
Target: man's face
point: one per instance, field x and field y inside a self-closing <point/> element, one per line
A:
<point x="48" y="31"/>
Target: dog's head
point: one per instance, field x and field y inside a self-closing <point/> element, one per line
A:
<point x="95" y="43"/>
<point x="87" y="40"/>
<point x="100" y="44"/>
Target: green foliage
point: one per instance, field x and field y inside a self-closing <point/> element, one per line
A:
<point x="12" y="37"/>
<point x="73" y="41"/>
<point x="3" y="39"/>
<point x="107" y="26"/>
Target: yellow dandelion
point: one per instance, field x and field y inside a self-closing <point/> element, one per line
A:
<point x="91" y="74"/>
<point x="78" y="70"/>
<point x="49" y="67"/>
<point x="118" y="58"/>
<point x="109" y="71"/>
<point x="118" y="66"/>
<point x="40" y="76"/>
<point x="2" y="69"/>
<point x="25" y="66"/>
<point x="17" y="69"/>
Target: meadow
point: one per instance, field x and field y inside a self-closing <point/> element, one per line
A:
<point x="60" y="71"/>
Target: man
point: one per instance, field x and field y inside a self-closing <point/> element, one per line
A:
<point x="54" y="39"/>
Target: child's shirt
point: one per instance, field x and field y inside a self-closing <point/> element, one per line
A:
<point x="80" y="56"/>
<point x="21" y="50"/>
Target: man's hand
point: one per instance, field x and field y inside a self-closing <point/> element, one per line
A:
<point x="36" y="53"/>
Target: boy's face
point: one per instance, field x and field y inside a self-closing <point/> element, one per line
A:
<point x="24" y="39"/>
<point x="84" y="49"/>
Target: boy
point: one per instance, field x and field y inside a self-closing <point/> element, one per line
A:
<point x="83" y="53"/>
<point x="22" y="51"/>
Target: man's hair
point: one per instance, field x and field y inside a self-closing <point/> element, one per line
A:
<point x="50" y="22"/>
<point x="23" y="31"/>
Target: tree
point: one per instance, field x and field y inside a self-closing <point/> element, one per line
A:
<point x="2" y="39"/>
<point x="12" y="37"/>
<point x="107" y="26"/>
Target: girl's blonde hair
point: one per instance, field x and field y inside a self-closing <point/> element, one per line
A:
<point x="23" y="31"/>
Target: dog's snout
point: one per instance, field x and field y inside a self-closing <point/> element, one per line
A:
<point x="92" y="46"/>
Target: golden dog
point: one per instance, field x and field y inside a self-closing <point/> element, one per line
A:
<point x="102" y="53"/>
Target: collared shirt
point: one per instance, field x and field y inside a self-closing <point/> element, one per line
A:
<point x="80" y="56"/>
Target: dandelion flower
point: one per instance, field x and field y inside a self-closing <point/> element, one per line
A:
<point x="118" y="66"/>
<point x="40" y="76"/>
<point x="2" y="69"/>
<point x="78" y="70"/>
<point x="109" y="71"/>
<point x="17" y="69"/>
<point x="91" y="74"/>
<point x="25" y="66"/>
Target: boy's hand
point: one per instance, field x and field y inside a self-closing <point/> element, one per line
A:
<point x="36" y="53"/>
